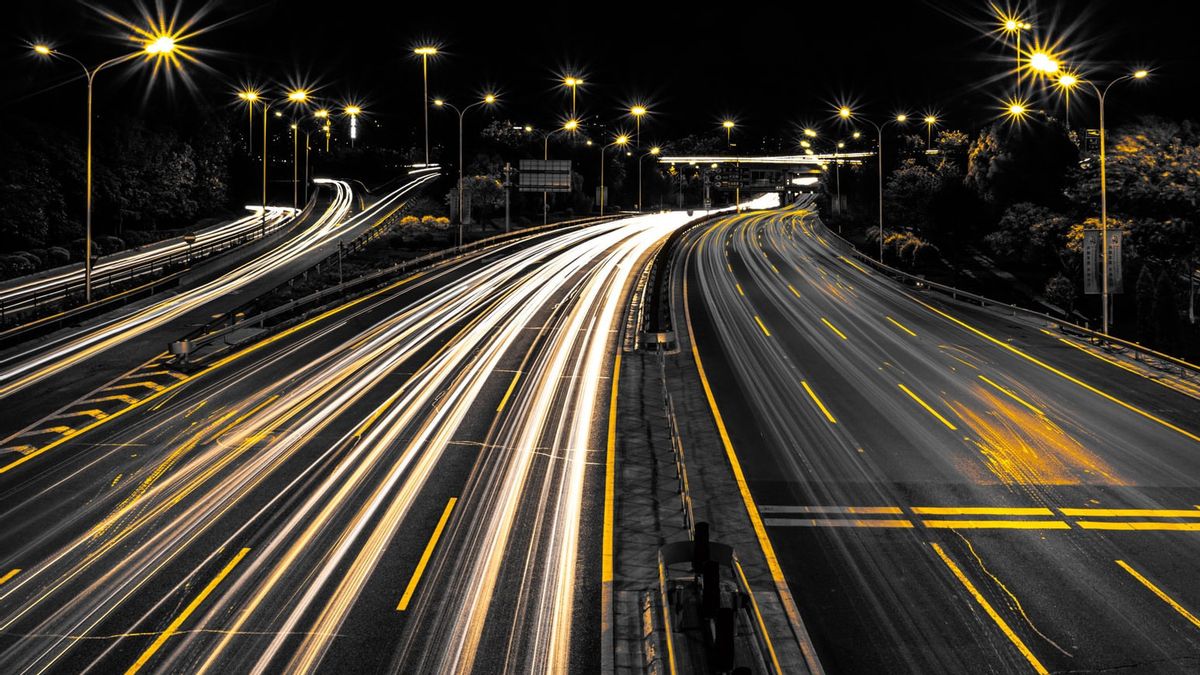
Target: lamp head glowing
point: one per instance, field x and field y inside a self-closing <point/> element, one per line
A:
<point x="489" y="99"/>
<point x="572" y="81"/>
<point x="638" y="110"/>
<point x="352" y="110"/>
<point x="427" y="50"/>
<point x="571" y="125"/>
<point x="1043" y="62"/>
<point x="528" y="128"/>
<point x="1012" y="25"/>
<point x="44" y="50"/>
<point x="655" y="150"/>
<point x="439" y="102"/>
<point x="805" y="144"/>
<point x="1067" y="81"/>
<point x="1140" y="74"/>
<point x="930" y="120"/>
<point x="856" y="135"/>
<point x="811" y="133"/>
<point x="297" y="96"/>
<point x="293" y="125"/>
<point x="844" y="113"/>
<point x="841" y="144"/>
<point x="902" y="118"/>
<point x="321" y="114"/>
<point x="621" y="140"/>
<point x="1016" y="110"/>
<point x="161" y="45"/>
<point x="728" y="124"/>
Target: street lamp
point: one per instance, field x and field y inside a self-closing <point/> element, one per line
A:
<point x="930" y="122"/>
<point x="845" y="113"/>
<point x="572" y="82"/>
<point x="570" y="126"/>
<point x="638" y="111"/>
<point x="249" y="96"/>
<point x="728" y="126"/>
<point x="441" y="103"/>
<point x="425" y="52"/>
<point x="297" y="96"/>
<point x="155" y="46"/>
<point x="620" y="141"/>
<point x="323" y="115"/>
<point x="1014" y="25"/>
<point x="653" y="151"/>
<point x="1101" y="95"/>
<point x="352" y="111"/>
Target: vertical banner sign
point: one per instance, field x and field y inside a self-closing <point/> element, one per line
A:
<point x="1091" y="262"/>
<point x="1116" y="277"/>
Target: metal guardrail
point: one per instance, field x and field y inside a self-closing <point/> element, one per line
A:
<point x="241" y="317"/>
<point x="1141" y="353"/>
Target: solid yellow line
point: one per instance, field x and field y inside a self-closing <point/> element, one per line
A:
<point x="987" y="607"/>
<point x="1137" y="525"/>
<point x="982" y="511"/>
<point x="762" y="626"/>
<point x="901" y="326"/>
<point x="1162" y="595"/>
<point x="511" y="386"/>
<point x="183" y="616"/>
<point x="11" y="573"/>
<point x="839" y="522"/>
<point x="763" y="327"/>
<point x="997" y="524"/>
<point x="1013" y="396"/>
<point x="416" y="577"/>
<point x="832" y="328"/>
<point x="1060" y="373"/>
<point x="760" y="530"/>
<point x="608" y="546"/>
<point x="926" y="407"/>
<point x="816" y="400"/>
<point x="1135" y="513"/>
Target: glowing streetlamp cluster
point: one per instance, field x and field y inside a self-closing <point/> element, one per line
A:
<point x="488" y="99"/>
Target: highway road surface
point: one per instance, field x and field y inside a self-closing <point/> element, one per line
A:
<point x="946" y="489"/>
<point x="412" y="481"/>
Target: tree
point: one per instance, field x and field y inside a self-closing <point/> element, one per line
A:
<point x="1030" y="234"/>
<point x="908" y="194"/>
<point x="1021" y="163"/>
<point x="1144" y="292"/>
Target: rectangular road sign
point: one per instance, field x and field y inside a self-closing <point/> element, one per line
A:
<point x="544" y="175"/>
<point x="1092" y="260"/>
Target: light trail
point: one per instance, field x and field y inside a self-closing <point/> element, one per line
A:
<point x="37" y="364"/>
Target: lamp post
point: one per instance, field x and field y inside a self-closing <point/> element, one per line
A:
<point x="1101" y="95"/>
<point x="250" y="96"/>
<point x="653" y="151"/>
<point x="425" y="52"/>
<point x="728" y="126"/>
<point x="441" y="103"/>
<point x="846" y="114"/>
<point x="294" y="97"/>
<point x="572" y="82"/>
<point x="571" y="125"/>
<point x="930" y="122"/>
<point x="1013" y="25"/>
<point x="620" y="141"/>
<point x="638" y="112"/>
<point x="156" y="47"/>
<point x="352" y="111"/>
<point x="323" y="115"/>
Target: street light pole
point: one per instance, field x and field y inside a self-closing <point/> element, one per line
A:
<point x="487" y="100"/>
<point x="621" y="141"/>
<point x="425" y="52"/>
<point x="846" y="113"/>
<point x="158" y="47"/>
<point x="653" y="151"/>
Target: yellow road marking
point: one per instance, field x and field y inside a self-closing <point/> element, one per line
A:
<point x="93" y="413"/>
<point x="874" y="510"/>
<point x="996" y="524"/>
<point x="987" y="607"/>
<point x="416" y="577"/>
<point x="817" y="400"/>
<point x="775" y="269"/>
<point x="762" y="627"/>
<point x="124" y="398"/>
<point x="729" y="267"/>
<point x="760" y="530"/>
<point x="981" y="511"/>
<point x="607" y="545"/>
<point x="739" y="289"/>
<point x="833" y="328"/>
<point x="1056" y="371"/>
<point x="152" y="386"/>
<point x="1134" y="513"/>
<point x="763" y="327"/>
<point x="1141" y="526"/>
<point x="925" y="405"/>
<point x="853" y="264"/>
<point x="900" y="326"/>
<point x="1160" y="593"/>
<point x="168" y="373"/>
<point x="9" y="575"/>
<point x="511" y="386"/>
<point x="50" y="430"/>
<point x="793" y="290"/>
<point x="1014" y="397"/>
<point x="183" y="616"/>
<point x="835" y="522"/>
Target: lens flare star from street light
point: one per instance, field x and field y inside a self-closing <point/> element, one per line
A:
<point x="655" y="150"/>
<point x="728" y="124"/>
<point x="426" y="50"/>
<point x="298" y="95"/>
<point x="638" y="110"/>
<point x="1043" y="62"/>
<point x="622" y="139"/>
<point x="844" y="113"/>
<point x="43" y="50"/>
<point x="489" y="99"/>
<point x="352" y="110"/>
<point x="811" y="133"/>
<point x="1140" y="74"/>
<point x="1016" y="110"/>
<point x="902" y="118"/>
<point x="571" y="125"/>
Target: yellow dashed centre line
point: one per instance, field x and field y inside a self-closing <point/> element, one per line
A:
<point x="762" y="326"/>
<point x="1160" y="593"/>
<point x="833" y="328"/>
<point x="511" y="386"/>
<point x="901" y="326"/>
<point x="817" y="400"/>
<point x="926" y="406"/>
<point x="433" y="540"/>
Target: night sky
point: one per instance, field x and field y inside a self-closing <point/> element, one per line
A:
<point x="770" y="66"/>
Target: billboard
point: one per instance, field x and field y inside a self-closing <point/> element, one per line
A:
<point x="544" y="175"/>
